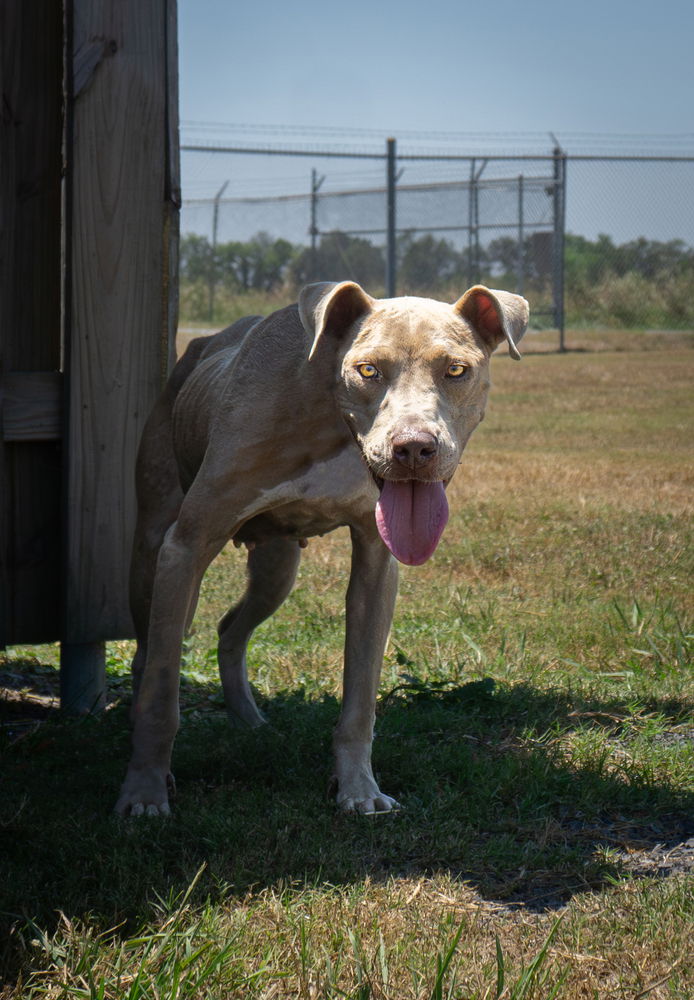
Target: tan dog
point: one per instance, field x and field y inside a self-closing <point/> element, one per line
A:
<point x="345" y="410"/>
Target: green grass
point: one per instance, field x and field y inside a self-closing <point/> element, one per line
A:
<point x="535" y="720"/>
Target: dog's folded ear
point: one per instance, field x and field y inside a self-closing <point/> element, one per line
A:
<point x="329" y="308"/>
<point x="495" y="315"/>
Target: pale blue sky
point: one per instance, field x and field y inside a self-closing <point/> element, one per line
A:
<point x="610" y="66"/>
<point x="603" y="75"/>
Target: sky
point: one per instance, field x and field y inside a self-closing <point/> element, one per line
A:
<point x="612" y="75"/>
<point x="609" y="66"/>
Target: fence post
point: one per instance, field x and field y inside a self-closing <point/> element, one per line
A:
<point x="215" y="228"/>
<point x="474" y="221"/>
<point x="83" y="677"/>
<point x="391" y="266"/>
<point x="316" y="183"/>
<point x="558" y="247"/>
<point x="475" y="229"/>
<point x="117" y="316"/>
<point x="471" y="276"/>
<point x="521" y="238"/>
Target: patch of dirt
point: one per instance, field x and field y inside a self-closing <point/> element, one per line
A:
<point x="660" y="861"/>
<point x="656" y="849"/>
<point x="21" y="703"/>
<point x="28" y="691"/>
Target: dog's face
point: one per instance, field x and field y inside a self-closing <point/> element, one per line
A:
<point x="412" y="385"/>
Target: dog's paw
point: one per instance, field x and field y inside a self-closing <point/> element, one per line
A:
<point x="146" y="793"/>
<point x="371" y="806"/>
<point x="353" y="783"/>
<point x="245" y="715"/>
<point x="361" y="795"/>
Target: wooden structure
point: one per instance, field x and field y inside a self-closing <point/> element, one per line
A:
<point x="89" y="203"/>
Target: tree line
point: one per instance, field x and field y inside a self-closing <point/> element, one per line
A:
<point x="266" y="264"/>
<point x="426" y="264"/>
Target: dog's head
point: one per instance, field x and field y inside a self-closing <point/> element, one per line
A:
<point x="412" y="382"/>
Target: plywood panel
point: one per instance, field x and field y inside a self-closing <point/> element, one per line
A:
<point x="32" y="406"/>
<point x="31" y="70"/>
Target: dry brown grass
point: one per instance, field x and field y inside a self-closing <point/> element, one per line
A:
<point x="615" y="426"/>
<point x="380" y="941"/>
<point x="385" y="935"/>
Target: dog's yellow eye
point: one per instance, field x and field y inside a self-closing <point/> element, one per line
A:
<point x="456" y="369"/>
<point x="367" y="371"/>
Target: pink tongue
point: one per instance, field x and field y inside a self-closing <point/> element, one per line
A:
<point x="411" y="517"/>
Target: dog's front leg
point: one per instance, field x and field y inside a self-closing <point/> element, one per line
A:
<point x="370" y="602"/>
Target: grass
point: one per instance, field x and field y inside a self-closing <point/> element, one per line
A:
<point x="535" y="720"/>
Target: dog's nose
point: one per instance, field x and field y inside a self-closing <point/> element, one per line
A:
<point x="415" y="449"/>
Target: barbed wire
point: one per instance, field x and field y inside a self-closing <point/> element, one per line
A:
<point x="476" y="142"/>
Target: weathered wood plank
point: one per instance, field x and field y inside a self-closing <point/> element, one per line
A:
<point x="119" y="325"/>
<point x="32" y="406"/>
<point x="172" y="196"/>
<point x="31" y="70"/>
<point x="35" y="474"/>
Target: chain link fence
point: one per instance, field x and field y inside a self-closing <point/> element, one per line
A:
<point x="590" y="241"/>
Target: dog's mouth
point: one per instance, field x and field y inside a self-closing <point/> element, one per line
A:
<point x="411" y="515"/>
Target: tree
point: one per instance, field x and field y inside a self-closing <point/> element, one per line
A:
<point x="261" y="263"/>
<point x="653" y="259"/>
<point x="427" y="264"/>
<point x="269" y="260"/>
<point x="339" y="257"/>
<point x="196" y="258"/>
<point x="502" y="255"/>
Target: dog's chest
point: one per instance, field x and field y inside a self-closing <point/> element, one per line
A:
<point x="326" y="496"/>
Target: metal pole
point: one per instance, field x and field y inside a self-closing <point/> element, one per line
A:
<point x="312" y="228"/>
<point x="476" y="203"/>
<point x="215" y="226"/>
<point x="521" y="239"/>
<point x="471" y="277"/>
<point x="316" y="183"/>
<point x="558" y="248"/>
<point x="474" y="227"/>
<point x="391" y="277"/>
<point x="475" y="216"/>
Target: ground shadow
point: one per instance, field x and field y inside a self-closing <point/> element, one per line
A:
<point x="481" y="770"/>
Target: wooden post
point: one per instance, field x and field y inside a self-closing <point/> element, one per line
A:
<point x="122" y="200"/>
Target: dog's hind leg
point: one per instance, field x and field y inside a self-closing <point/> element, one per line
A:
<point x="272" y="570"/>
<point x="150" y="532"/>
<point x="159" y="498"/>
<point x="155" y="517"/>
<point x="184" y="555"/>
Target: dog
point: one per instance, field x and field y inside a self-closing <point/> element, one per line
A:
<point x="340" y="410"/>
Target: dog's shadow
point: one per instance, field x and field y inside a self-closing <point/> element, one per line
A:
<point x="490" y="792"/>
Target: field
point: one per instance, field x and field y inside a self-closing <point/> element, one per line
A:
<point x="535" y="721"/>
